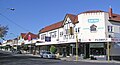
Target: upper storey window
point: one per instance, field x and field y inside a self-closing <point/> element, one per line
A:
<point x="93" y="28"/>
<point x="61" y="34"/>
<point x="53" y="34"/>
<point x="66" y="31"/>
<point x="77" y="29"/>
<point x="110" y="28"/>
<point x="43" y="36"/>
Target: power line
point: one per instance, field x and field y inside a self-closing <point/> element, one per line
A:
<point x="13" y="22"/>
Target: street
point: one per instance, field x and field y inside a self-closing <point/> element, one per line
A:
<point x="7" y="58"/>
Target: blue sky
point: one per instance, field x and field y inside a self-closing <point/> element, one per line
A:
<point x="32" y="15"/>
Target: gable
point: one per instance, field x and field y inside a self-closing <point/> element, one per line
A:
<point x="25" y="35"/>
<point x="70" y="18"/>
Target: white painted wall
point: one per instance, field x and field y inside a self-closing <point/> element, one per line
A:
<point x="61" y="38"/>
<point x="85" y="23"/>
<point x="70" y="38"/>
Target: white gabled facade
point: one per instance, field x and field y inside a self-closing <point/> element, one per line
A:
<point x="67" y="37"/>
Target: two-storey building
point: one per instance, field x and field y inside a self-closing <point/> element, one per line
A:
<point x="94" y="30"/>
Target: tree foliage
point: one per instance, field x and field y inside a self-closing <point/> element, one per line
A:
<point x="53" y="49"/>
<point x="3" y="31"/>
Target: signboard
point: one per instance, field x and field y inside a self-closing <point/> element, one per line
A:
<point x="101" y="40"/>
<point x="96" y="45"/>
<point x="96" y="40"/>
<point x="47" y="39"/>
<point x="93" y="20"/>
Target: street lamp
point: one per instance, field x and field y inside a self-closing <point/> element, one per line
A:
<point x="12" y="9"/>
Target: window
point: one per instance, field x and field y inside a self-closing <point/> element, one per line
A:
<point x="71" y="31"/>
<point x="66" y="31"/>
<point x="53" y="34"/>
<point x="75" y="29"/>
<point x="61" y="34"/>
<point x="110" y="28"/>
<point x="43" y="36"/>
<point x="78" y="29"/>
<point x="71" y="36"/>
<point x="65" y="36"/>
<point x="93" y="28"/>
<point x="110" y="36"/>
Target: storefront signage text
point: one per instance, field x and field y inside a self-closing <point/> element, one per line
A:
<point x="93" y="20"/>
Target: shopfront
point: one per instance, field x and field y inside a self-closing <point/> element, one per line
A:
<point x="98" y="50"/>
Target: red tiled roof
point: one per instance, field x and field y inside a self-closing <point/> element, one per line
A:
<point x="73" y="18"/>
<point x="9" y="40"/>
<point x="25" y="35"/>
<point x="93" y="11"/>
<point x="52" y="27"/>
<point x="115" y="17"/>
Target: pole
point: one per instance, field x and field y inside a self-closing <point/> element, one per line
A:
<point x="108" y="52"/>
<point x="108" y="48"/>
<point x="76" y="47"/>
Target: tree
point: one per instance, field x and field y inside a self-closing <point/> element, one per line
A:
<point x="53" y="49"/>
<point x="3" y="31"/>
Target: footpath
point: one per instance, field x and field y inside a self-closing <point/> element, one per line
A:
<point x="73" y="58"/>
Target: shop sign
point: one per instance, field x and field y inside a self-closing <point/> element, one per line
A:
<point x="115" y="40"/>
<point x="93" y="20"/>
<point x="96" y="45"/>
<point x="47" y="39"/>
<point x="96" y="40"/>
<point x="100" y="39"/>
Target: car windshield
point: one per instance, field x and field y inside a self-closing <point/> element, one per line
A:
<point x="48" y="53"/>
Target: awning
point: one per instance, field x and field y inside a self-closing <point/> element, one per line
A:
<point x="46" y="43"/>
<point x="53" y="43"/>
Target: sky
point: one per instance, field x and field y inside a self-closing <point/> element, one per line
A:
<point x="33" y="15"/>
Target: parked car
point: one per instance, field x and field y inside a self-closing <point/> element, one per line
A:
<point x="15" y="51"/>
<point x="41" y="53"/>
<point x="47" y="54"/>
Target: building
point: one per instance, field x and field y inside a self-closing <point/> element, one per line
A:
<point x="27" y="41"/>
<point x="7" y="45"/>
<point x="94" y="29"/>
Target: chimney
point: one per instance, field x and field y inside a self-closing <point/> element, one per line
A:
<point x="110" y="12"/>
